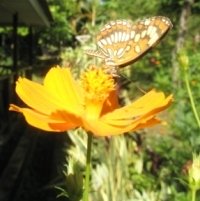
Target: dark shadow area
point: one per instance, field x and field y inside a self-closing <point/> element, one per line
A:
<point x="30" y="161"/>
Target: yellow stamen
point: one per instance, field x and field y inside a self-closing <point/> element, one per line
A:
<point x="97" y="85"/>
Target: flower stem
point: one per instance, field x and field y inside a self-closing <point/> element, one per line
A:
<point x="191" y="98"/>
<point x="193" y="194"/>
<point x="87" y="169"/>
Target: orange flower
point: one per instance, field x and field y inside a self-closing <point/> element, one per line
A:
<point x="63" y="103"/>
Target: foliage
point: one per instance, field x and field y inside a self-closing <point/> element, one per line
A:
<point x="150" y="165"/>
<point x="139" y="166"/>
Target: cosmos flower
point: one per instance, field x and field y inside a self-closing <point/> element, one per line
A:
<point x="62" y="103"/>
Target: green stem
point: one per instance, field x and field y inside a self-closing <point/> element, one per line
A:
<point x="87" y="169"/>
<point x="191" y="98"/>
<point x="193" y="194"/>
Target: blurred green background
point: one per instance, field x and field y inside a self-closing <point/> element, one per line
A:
<point x="149" y="165"/>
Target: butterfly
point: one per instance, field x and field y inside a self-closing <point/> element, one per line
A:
<point x="123" y="42"/>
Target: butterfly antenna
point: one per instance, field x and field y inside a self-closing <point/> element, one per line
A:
<point x="127" y="80"/>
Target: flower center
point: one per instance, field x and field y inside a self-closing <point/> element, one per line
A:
<point x="97" y="85"/>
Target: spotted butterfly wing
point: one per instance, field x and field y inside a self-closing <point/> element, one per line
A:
<point x="121" y="42"/>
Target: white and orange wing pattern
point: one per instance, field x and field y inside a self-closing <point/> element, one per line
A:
<point x="122" y="42"/>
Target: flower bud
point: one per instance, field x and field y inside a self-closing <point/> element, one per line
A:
<point x="194" y="173"/>
<point x="183" y="61"/>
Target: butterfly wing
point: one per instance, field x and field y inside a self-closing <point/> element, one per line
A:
<point x="121" y="42"/>
<point x="111" y="40"/>
<point x="144" y="35"/>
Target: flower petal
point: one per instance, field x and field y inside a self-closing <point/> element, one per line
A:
<point x="57" y="92"/>
<point x="102" y="128"/>
<point x="148" y="123"/>
<point x="36" y="96"/>
<point x="56" y="122"/>
<point x="151" y="102"/>
<point x="111" y="103"/>
<point x="61" y="84"/>
<point x="139" y="114"/>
